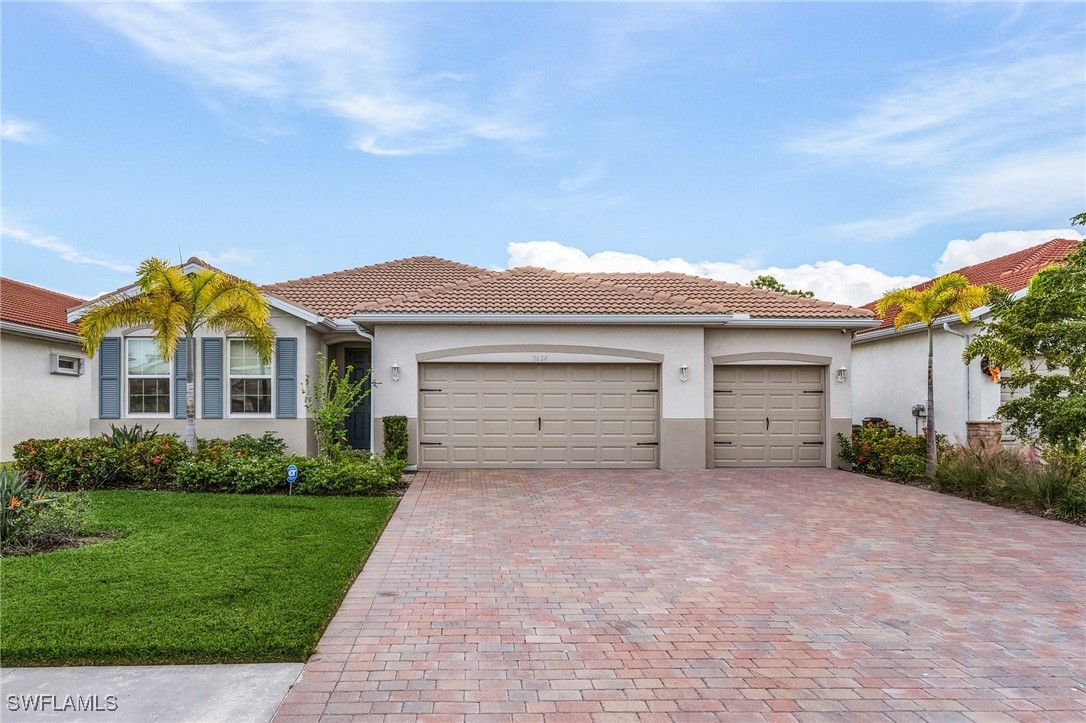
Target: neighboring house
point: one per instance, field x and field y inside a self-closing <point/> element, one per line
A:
<point x="890" y="367"/>
<point x="523" y="368"/>
<point x="44" y="390"/>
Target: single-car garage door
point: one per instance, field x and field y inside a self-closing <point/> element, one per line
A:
<point x="768" y="416"/>
<point x="538" y="415"/>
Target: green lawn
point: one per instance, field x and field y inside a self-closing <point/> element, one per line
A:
<point x="195" y="578"/>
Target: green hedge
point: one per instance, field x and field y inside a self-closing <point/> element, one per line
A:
<point x="162" y="462"/>
<point x="873" y="446"/>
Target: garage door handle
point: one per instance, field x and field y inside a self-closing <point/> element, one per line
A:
<point x="814" y="442"/>
<point x="767" y="422"/>
<point x="430" y="444"/>
<point x="429" y="390"/>
<point x="648" y="444"/>
<point x="541" y="424"/>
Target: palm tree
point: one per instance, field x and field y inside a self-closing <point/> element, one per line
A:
<point x="947" y="295"/>
<point x="177" y="304"/>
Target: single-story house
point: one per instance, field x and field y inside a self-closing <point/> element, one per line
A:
<point x="522" y="368"/>
<point x="889" y="376"/>
<point x="45" y="391"/>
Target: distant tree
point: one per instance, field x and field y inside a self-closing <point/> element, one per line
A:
<point x="947" y="295"/>
<point x="770" y="283"/>
<point x="176" y="304"/>
<point x="1040" y="339"/>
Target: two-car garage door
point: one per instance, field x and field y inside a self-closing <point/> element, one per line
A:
<point x="768" y="416"/>
<point x="539" y="415"/>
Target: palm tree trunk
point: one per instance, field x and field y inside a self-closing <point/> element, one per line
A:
<point x="930" y="429"/>
<point x="190" y="393"/>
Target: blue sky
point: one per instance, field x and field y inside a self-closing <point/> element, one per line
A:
<point x="846" y="148"/>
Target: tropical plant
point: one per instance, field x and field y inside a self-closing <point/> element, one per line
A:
<point x="949" y="295"/>
<point x="1039" y="340"/>
<point x="329" y="399"/>
<point x="124" y="436"/>
<point x="395" y="436"/>
<point x="16" y="494"/>
<point x="176" y="304"/>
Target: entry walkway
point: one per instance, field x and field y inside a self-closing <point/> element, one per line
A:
<point x="742" y="595"/>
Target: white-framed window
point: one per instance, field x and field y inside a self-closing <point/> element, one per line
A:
<point x="65" y="364"/>
<point x="148" y="376"/>
<point x="250" y="379"/>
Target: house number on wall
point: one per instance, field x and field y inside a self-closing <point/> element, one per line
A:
<point x="539" y="357"/>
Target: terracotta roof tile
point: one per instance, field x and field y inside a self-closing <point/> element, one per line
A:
<point x="34" y="306"/>
<point x="1013" y="271"/>
<point x="338" y="294"/>
<point x="531" y="290"/>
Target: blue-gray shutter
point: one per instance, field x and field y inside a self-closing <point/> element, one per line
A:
<point x="180" y="371"/>
<point x="211" y="379"/>
<point x="286" y="378"/>
<point x="109" y="378"/>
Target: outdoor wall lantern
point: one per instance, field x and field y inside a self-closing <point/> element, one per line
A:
<point x="842" y="375"/>
<point x="684" y="372"/>
<point x="395" y="372"/>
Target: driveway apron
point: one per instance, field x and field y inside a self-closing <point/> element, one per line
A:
<point x="748" y="595"/>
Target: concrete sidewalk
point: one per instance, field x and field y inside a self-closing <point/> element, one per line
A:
<point x="169" y="693"/>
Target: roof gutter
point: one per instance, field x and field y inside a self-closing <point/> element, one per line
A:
<point x="864" y="337"/>
<point x="808" y="323"/>
<point x="10" y="327"/>
<point x="369" y="319"/>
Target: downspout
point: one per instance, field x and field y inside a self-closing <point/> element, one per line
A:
<point x="369" y="337"/>
<point x="965" y="340"/>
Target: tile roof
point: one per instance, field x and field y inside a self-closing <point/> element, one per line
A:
<point x="532" y="290"/>
<point x="34" y="306"/>
<point x="1013" y="271"/>
<point x="339" y="294"/>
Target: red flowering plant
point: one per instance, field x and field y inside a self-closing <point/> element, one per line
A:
<point x="870" y="447"/>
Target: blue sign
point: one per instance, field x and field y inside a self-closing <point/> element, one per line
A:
<point x="292" y="473"/>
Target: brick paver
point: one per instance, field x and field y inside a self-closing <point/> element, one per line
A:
<point x="749" y="595"/>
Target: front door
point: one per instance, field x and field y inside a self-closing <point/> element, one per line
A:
<point x="358" y="424"/>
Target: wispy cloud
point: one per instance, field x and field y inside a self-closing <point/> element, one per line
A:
<point x="1002" y="132"/>
<point x="582" y="180"/>
<point x="229" y="257"/>
<point x="829" y="280"/>
<point x="940" y="112"/>
<point x="65" y="251"/>
<point x="348" y="60"/>
<point x="21" y="131"/>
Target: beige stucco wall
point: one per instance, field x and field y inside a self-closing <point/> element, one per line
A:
<point x="686" y="407"/>
<point x="297" y="433"/>
<point x="891" y="376"/>
<point x="829" y="348"/>
<point x="670" y="347"/>
<point x="35" y="403"/>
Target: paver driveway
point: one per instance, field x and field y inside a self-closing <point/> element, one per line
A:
<point x="743" y="595"/>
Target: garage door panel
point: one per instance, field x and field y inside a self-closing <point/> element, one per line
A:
<point x="789" y="396"/>
<point x="528" y="415"/>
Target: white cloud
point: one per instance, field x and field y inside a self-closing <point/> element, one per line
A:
<point x="21" y="131"/>
<point x="65" y="251"/>
<point x="829" y="280"/>
<point x="962" y="252"/>
<point x="228" y="256"/>
<point x="347" y="60"/>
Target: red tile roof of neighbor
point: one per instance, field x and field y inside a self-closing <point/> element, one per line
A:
<point x="37" y="307"/>
<point x="1013" y="271"/>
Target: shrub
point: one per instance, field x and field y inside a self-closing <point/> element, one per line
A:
<point x="31" y="520"/>
<point x="395" y="434"/>
<point x="1072" y="507"/>
<point x="871" y="446"/>
<point x="906" y="467"/>
<point x="1019" y="477"/>
<point x="268" y="445"/>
